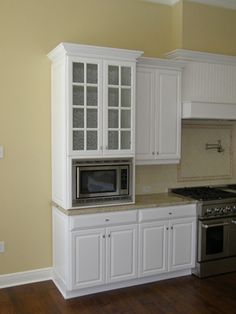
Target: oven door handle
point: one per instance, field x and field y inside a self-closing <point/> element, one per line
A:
<point x="215" y="225"/>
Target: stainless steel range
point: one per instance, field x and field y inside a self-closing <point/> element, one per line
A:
<point x="216" y="236"/>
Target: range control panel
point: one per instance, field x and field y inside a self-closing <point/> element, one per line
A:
<point x="219" y="210"/>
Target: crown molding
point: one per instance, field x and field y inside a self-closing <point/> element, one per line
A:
<point x="157" y="62"/>
<point x="167" y="2"/>
<point x="71" y="49"/>
<point x="228" y="4"/>
<point x="198" y="56"/>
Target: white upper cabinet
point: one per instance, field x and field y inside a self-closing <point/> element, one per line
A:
<point x="93" y="99"/>
<point x="85" y="98"/>
<point x="119" y="113"/>
<point x="158" y="112"/>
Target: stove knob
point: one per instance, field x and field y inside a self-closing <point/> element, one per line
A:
<point x="221" y="211"/>
<point x="209" y="211"/>
<point x="217" y="211"/>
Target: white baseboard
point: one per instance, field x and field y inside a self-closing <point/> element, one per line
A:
<point x="21" y="278"/>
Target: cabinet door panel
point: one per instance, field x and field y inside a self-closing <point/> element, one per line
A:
<point x="158" y="115"/>
<point x="119" y="120"/>
<point x="125" y="139"/>
<point x="153" y="239"/>
<point x="85" y="112"/>
<point x="126" y="76"/>
<point x="121" y="253"/>
<point x="88" y="251"/>
<point x="145" y="114"/>
<point x="182" y="244"/>
<point x="169" y="118"/>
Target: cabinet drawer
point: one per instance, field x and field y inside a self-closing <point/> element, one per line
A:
<point x="102" y="219"/>
<point x="183" y="211"/>
<point x="158" y="213"/>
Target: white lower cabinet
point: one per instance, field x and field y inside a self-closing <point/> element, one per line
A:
<point x="104" y="251"/>
<point x="121" y="254"/>
<point x="104" y="255"/>
<point x="153" y="254"/>
<point x="182" y="243"/>
<point x="166" y="243"/>
<point x="88" y="258"/>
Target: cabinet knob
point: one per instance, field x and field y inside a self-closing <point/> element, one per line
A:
<point x="109" y="235"/>
<point x="103" y="236"/>
<point x="107" y="219"/>
<point x="153" y="153"/>
<point x="157" y="153"/>
<point x="170" y="213"/>
<point x="167" y="228"/>
<point x="171" y="227"/>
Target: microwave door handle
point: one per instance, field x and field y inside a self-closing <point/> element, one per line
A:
<point x="215" y="225"/>
<point x="77" y="182"/>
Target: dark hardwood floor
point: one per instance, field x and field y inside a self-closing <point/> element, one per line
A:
<point x="188" y="295"/>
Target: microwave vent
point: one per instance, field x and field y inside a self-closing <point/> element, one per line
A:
<point x="102" y="200"/>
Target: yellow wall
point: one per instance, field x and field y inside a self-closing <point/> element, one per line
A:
<point x="29" y="29"/>
<point x="177" y="25"/>
<point x="208" y="28"/>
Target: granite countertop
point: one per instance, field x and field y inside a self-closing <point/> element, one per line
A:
<point x="142" y="201"/>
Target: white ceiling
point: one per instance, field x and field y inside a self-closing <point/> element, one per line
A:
<point x="229" y="4"/>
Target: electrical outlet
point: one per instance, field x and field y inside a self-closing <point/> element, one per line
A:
<point x="146" y="189"/>
<point x="2" y="246"/>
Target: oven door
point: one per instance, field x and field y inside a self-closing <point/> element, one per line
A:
<point x="213" y="239"/>
<point x="232" y="237"/>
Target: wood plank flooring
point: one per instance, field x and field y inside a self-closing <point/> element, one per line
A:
<point x="188" y="295"/>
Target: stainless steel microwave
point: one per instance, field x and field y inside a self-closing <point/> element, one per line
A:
<point x="101" y="181"/>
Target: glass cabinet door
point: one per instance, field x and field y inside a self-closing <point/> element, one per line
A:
<point x="119" y="107"/>
<point x="85" y="106"/>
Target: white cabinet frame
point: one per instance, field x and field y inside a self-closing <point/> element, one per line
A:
<point x="62" y="58"/>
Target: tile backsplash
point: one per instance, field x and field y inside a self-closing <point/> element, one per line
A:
<point x="198" y="166"/>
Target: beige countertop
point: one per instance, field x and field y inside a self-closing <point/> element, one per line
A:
<point x="142" y="201"/>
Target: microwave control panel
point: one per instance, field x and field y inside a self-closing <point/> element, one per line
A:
<point x="124" y="179"/>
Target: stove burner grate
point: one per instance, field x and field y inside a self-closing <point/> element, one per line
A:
<point x="204" y="193"/>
